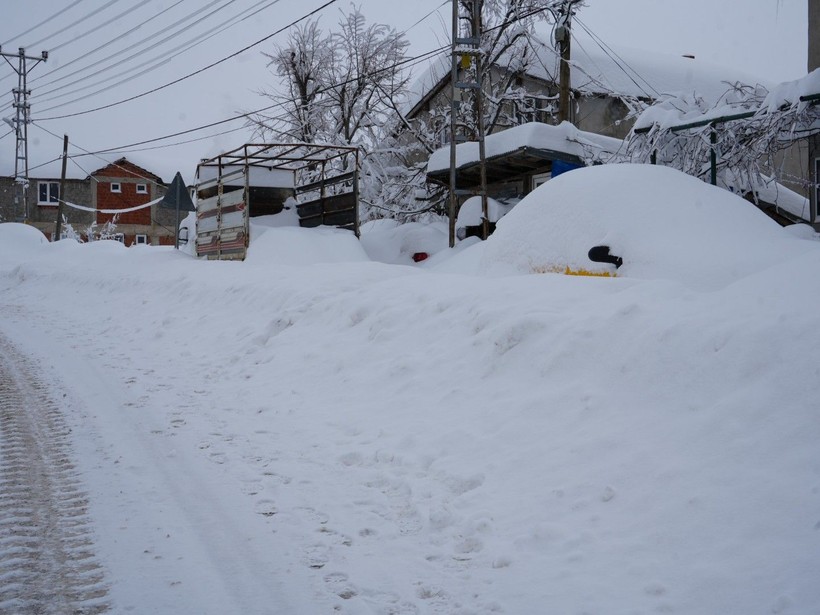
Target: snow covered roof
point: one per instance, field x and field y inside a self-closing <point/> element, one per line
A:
<point x="622" y="71"/>
<point x="768" y="191"/>
<point x="562" y="142"/>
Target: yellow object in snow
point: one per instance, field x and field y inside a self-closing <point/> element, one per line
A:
<point x="569" y="271"/>
<point x="594" y="274"/>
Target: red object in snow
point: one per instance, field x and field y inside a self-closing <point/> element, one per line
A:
<point x="420" y="256"/>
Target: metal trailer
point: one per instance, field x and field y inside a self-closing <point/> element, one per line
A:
<point x="253" y="180"/>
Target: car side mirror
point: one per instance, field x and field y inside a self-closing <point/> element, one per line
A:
<point x="600" y="254"/>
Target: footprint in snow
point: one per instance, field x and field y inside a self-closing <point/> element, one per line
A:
<point x="317" y="556"/>
<point x="339" y="584"/>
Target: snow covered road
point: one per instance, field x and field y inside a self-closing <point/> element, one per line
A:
<point x="47" y="560"/>
<point x="169" y="542"/>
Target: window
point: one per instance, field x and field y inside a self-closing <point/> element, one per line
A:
<point x="540" y="179"/>
<point x="48" y="193"/>
<point x="116" y="187"/>
<point x="142" y="188"/>
<point x="535" y="109"/>
<point x="142" y="240"/>
<point x="119" y="237"/>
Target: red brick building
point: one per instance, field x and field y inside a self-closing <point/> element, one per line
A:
<point x="122" y="185"/>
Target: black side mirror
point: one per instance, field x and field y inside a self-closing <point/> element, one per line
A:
<point x="600" y="254"/>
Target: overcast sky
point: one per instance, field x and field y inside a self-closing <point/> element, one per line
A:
<point x="88" y="68"/>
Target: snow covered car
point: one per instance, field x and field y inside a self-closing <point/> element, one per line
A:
<point x="662" y="223"/>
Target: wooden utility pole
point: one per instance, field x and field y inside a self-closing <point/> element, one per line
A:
<point x="451" y="212"/>
<point x="58" y="228"/>
<point x="563" y="38"/>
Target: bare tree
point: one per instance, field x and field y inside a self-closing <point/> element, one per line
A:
<point x="335" y="87"/>
<point x="301" y="65"/>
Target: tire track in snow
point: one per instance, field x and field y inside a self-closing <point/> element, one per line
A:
<point x="47" y="562"/>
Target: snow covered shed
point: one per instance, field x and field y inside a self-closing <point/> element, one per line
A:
<point x="521" y="158"/>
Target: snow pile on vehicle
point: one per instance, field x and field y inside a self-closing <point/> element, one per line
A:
<point x="663" y="223"/>
<point x="15" y="237"/>
<point x="388" y="241"/>
<point x="291" y="245"/>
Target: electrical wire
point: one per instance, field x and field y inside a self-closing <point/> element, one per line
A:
<point x="74" y="23"/>
<point x="111" y="41"/>
<point x="244" y="116"/>
<point x="189" y="75"/>
<point x="75" y="146"/>
<point x="619" y="61"/>
<point x="44" y="22"/>
<point x="133" y="147"/>
<point x="139" y="45"/>
<point x="98" y="27"/>
<point x="196" y="72"/>
<point x="158" y="61"/>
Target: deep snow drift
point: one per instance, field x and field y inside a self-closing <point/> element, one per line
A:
<point x="310" y="431"/>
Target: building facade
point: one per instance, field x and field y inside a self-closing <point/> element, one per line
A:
<point x="106" y="204"/>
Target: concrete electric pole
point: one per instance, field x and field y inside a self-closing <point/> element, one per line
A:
<point x="21" y="121"/>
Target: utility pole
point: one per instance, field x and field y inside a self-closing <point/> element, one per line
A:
<point x="479" y="111"/>
<point x="21" y="121"/>
<point x="454" y="104"/>
<point x="58" y="228"/>
<point x="563" y="40"/>
<point x="465" y="52"/>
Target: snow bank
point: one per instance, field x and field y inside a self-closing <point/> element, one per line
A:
<point x="387" y="241"/>
<point x="289" y="245"/>
<point x="354" y="437"/>
<point x="16" y="238"/>
<point x="663" y="223"/>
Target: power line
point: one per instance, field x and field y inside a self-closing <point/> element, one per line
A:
<point x="407" y="61"/>
<point x="137" y="44"/>
<point x="189" y="75"/>
<point x="119" y="63"/>
<point x="618" y="60"/>
<point x="106" y="44"/>
<point x="44" y="22"/>
<point x="152" y="63"/>
<point x="117" y="17"/>
<point x="131" y="147"/>
<point x="74" y="23"/>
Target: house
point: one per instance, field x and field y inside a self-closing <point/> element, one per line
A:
<point x="119" y="190"/>
<point x="94" y="201"/>
<point x="42" y="196"/>
<point x="603" y="84"/>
